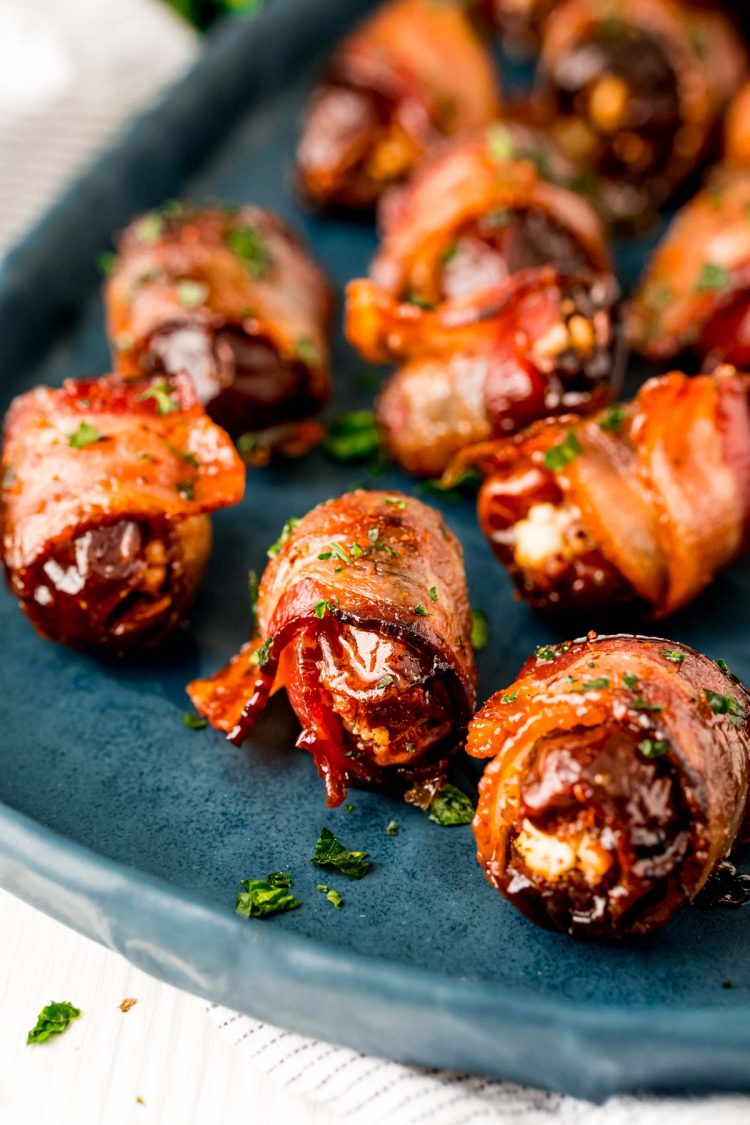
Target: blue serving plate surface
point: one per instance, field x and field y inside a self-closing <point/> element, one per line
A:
<point x="135" y="830"/>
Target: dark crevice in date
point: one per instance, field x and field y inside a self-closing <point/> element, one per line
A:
<point x="725" y="886"/>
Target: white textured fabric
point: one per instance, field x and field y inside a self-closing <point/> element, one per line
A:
<point x="362" y="1090"/>
<point x="70" y="72"/>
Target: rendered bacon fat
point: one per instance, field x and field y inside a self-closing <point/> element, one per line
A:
<point x="413" y="73"/>
<point x="619" y="782"/>
<point x="474" y="368"/>
<point x="635" y="87"/>
<point x="105" y="492"/>
<point x="232" y="298"/>
<point x="695" y="294"/>
<point x="641" y="504"/>
<point x="363" y="617"/>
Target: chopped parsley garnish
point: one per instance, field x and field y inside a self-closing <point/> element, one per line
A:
<point x="450" y="807"/>
<point x="331" y="853"/>
<point x="335" y="550"/>
<point x="642" y="704"/>
<point x="194" y="722"/>
<point x="548" y="653"/>
<point x="421" y="302"/>
<point x="252" y="590"/>
<point x="500" y="143"/>
<point x="284" y="537"/>
<point x="600" y="683"/>
<point x="250" y="246"/>
<point x="353" y="437"/>
<point x="333" y="896"/>
<point x="722" y="664"/>
<point x="191" y="294"/>
<point x="448" y="254"/>
<point x="509" y="696"/>
<point x="395" y="502"/>
<point x="53" y="1020"/>
<point x="651" y="748"/>
<point x="613" y="418"/>
<point x="107" y="262"/>
<point x="184" y="455"/>
<point x="186" y="489"/>
<point x="558" y="456"/>
<point x="673" y="655"/>
<point x="149" y="228"/>
<point x="322" y="607"/>
<point x="726" y="705"/>
<point x="433" y="593"/>
<point x="262" y="655"/>
<point x="630" y="680"/>
<point x="385" y="681"/>
<point x="391" y="828"/>
<point x="247" y="443"/>
<point x="86" y="434"/>
<point x="260" y="898"/>
<point x="465" y="485"/>
<point x="713" y="278"/>
<point x="348" y="808"/>
<point x="306" y="350"/>
<point x="480" y="630"/>
<point x="421" y="611"/>
<point x="161" y="393"/>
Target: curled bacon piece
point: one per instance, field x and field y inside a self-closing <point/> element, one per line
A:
<point x="695" y="294"/>
<point x="103" y="507"/>
<point x="478" y="210"/>
<point x="415" y="72"/>
<point x="635" y="87"/>
<point x="737" y="129"/>
<point x="233" y="298"/>
<point x="619" y="782"/>
<point x="641" y="504"/>
<point x="363" y="616"/>
<point x="475" y="368"/>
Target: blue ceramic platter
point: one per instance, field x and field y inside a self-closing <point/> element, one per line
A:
<point x="135" y="830"/>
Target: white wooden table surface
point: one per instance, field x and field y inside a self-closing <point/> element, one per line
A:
<point x="165" y="1050"/>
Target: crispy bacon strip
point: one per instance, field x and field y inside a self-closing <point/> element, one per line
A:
<point x="415" y="72"/>
<point x="474" y="368"/>
<point x="478" y="210"/>
<point x="695" y="294"/>
<point x="363" y="616"/>
<point x="105" y="492"/>
<point x="619" y="782"/>
<point x="233" y="298"/>
<point x="635" y="88"/>
<point x="641" y="504"/>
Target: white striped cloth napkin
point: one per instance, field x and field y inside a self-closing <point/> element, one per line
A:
<point x="71" y="71"/>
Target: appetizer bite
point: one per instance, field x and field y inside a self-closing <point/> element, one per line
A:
<point x="640" y="505"/>
<point x="493" y="289"/>
<point x="737" y="129"/>
<point x="105" y="494"/>
<point x="363" y="616"/>
<point x="619" y="782"/>
<point x="415" y="72"/>
<point x="635" y="88"/>
<point x="695" y="294"/>
<point x="232" y="298"/>
<point x="477" y="367"/>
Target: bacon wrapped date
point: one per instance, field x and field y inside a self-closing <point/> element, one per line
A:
<point x="415" y="72"/>
<point x="474" y="368"/>
<point x="695" y="294"/>
<point x="363" y="616"/>
<point x="619" y="783"/>
<point x="639" y="505"/>
<point x="233" y="298"/>
<point x="480" y="209"/>
<point x="635" y="88"/>
<point x="106" y="486"/>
